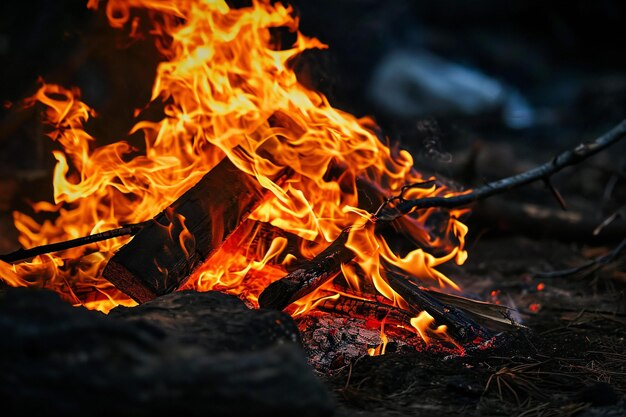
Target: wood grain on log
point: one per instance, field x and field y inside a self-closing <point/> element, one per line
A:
<point x="460" y="325"/>
<point x="160" y="258"/>
<point x="308" y="277"/>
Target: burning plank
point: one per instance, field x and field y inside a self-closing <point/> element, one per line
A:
<point x="308" y="277"/>
<point x="461" y="326"/>
<point x="312" y="274"/>
<point x="160" y="258"/>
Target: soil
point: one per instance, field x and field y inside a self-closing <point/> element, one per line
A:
<point x="569" y="361"/>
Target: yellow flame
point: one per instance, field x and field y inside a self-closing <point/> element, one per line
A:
<point x="380" y="349"/>
<point x="226" y="84"/>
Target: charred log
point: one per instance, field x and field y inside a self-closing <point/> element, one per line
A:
<point x="373" y="311"/>
<point x="160" y="258"/>
<point x="460" y="325"/>
<point x="308" y="277"/>
<point x="493" y="316"/>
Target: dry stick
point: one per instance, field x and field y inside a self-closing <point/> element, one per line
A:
<point x="599" y="262"/>
<point x="303" y="281"/>
<point x="22" y="254"/>
<point x="542" y="172"/>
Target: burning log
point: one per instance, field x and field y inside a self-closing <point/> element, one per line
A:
<point x="163" y="254"/>
<point x="326" y="266"/>
<point x="308" y="277"/>
<point x="460" y="325"/>
<point x="374" y="310"/>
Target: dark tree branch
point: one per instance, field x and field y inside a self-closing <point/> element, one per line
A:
<point x="542" y="172"/>
<point x="555" y="193"/>
<point x="22" y="254"/>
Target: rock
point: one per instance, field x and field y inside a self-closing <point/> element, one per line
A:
<point x="216" y="321"/>
<point x="184" y="354"/>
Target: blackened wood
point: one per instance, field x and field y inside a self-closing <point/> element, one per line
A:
<point x="542" y="172"/>
<point x="160" y="258"/>
<point x="374" y="309"/>
<point x="493" y="316"/>
<point x="460" y="326"/>
<point x="309" y="276"/>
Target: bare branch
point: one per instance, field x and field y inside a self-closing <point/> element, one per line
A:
<point x="22" y="254"/>
<point x="542" y="172"/>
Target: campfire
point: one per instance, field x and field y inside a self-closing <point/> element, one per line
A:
<point x="249" y="184"/>
<point x="246" y="248"/>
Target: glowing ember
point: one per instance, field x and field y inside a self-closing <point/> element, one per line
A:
<point x="225" y="84"/>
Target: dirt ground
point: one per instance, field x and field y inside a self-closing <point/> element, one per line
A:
<point x="570" y="361"/>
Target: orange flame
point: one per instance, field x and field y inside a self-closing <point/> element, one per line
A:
<point x="226" y="83"/>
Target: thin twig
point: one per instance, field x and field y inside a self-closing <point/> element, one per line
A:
<point x="555" y="193"/>
<point x="599" y="261"/>
<point x="621" y="212"/>
<point x="22" y="254"/>
<point x="542" y="172"/>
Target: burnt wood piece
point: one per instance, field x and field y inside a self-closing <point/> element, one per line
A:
<point x="493" y="316"/>
<point x="312" y="274"/>
<point x="460" y="326"/>
<point x="160" y="258"/>
<point x="367" y="309"/>
<point x="187" y="353"/>
<point x="308" y="277"/>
